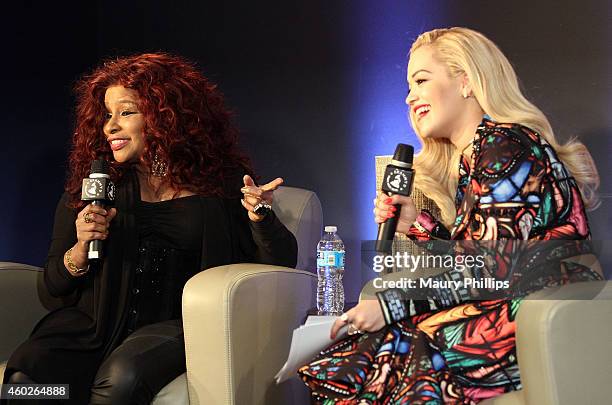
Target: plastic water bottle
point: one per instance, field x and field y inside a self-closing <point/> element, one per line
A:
<point x="330" y="269"/>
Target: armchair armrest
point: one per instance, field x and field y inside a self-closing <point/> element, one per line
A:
<point x="20" y="307"/>
<point x="238" y="321"/>
<point x="562" y="341"/>
<point x="563" y="337"/>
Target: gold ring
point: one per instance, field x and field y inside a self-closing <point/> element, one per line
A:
<point x="87" y="218"/>
<point x="352" y="330"/>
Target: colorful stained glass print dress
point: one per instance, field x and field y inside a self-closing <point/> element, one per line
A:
<point x="445" y="349"/>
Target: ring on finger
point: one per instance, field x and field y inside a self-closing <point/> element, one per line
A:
<point x="262" y="208"/>
<point x="87" y="218"/>
<point x="352" y="330"/>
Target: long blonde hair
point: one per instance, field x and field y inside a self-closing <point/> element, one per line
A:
<point x="495" y="86"/>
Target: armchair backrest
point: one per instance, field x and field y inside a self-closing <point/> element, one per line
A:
<point x="401" y="242"/>
<point x="300" y="211"/>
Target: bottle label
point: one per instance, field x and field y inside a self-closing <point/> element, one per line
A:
<point x="333" y="259"/>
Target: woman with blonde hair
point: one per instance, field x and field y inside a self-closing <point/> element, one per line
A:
<point x="491" y="163"/>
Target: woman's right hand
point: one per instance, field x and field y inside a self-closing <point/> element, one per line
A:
<point x="384" y="209"/>
<point x="92" y="223"/>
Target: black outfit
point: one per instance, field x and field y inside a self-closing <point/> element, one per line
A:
<point x="170" y="235"/>
<point x="141" y="366"/>
<point x="152" y="250"/>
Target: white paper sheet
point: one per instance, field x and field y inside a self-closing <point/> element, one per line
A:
<point x="308" y="340"/>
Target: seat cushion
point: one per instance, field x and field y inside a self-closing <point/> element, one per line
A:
<point x="175" y="393"/>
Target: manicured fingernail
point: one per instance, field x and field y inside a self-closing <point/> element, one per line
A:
<point x="393" y="209"/>
<point x="388" y="200"/>
<point x="390" y="215"/>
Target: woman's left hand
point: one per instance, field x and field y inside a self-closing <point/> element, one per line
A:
<point x="367" y="316"/>
<point x="254" y="195"/>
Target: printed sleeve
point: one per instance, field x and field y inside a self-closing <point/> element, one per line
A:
<point x="500" y="205"/>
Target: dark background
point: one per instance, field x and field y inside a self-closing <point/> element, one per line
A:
<point x="318" y="88"/>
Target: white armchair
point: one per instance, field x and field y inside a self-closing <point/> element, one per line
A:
<point x="238" y="319"/>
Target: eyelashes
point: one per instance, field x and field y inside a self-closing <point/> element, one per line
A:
<point x="418" y="83"/>
<point x="108" y="116"/>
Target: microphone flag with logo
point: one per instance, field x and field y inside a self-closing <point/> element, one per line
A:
<point x="100" y="190"/>
<point x="398" y="179"/>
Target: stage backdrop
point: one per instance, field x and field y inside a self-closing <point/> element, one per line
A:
<point x="318" y="88"/>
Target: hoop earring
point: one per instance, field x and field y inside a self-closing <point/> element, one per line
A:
<point x="159" y="168"/>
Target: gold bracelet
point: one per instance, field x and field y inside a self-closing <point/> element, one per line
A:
<point x="72" y="268"/>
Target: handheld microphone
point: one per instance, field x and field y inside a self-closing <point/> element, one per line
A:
<point x="398" y="179"/>
<point x="99" y="189"/>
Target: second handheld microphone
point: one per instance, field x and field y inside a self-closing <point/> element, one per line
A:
<point x="398" y="179"/>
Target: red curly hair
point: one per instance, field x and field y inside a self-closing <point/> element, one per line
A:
<point x="186" y="125"/>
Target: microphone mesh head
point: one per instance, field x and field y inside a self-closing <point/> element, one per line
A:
<point x="99" y="166"/>
<point x="404" y="153"/>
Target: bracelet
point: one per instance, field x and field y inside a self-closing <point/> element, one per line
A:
<point x="393" y="305"/>
<point x="72" y="268"/>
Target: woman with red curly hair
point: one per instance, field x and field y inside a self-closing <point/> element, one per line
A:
<point x="185" y="201"/>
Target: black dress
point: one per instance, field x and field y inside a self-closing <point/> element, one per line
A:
<point x="152" y="250"/>
<point x="170" y="238"/>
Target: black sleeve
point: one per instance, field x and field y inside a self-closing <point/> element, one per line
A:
<point x="275" y="243"/>
<point x="266" y="242"/>
<point x="58" y="280"/>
